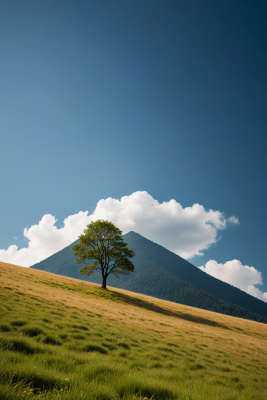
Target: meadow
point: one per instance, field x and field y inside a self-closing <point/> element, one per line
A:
<point x="65" y="338"/>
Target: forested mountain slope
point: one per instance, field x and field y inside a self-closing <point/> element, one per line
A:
<point x="163" y="274"/>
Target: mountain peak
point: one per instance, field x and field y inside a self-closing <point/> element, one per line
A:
<point x="163" y="274"/>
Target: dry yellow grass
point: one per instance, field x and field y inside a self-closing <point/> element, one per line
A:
<point x="230" y="335"/>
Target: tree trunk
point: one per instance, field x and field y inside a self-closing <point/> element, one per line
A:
<point x="104" y="282"/>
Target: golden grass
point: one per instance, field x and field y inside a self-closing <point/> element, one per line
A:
<point x="230" y="335"/>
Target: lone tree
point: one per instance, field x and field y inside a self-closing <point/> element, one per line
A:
<point x="102" y="243"/>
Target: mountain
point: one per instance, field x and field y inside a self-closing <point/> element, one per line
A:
<point x="163" y="274"/>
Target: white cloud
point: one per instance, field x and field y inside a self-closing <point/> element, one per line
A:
<point x="45" y="239"/>
<point x="238" y="275"/>
<point x="257" y="293"/>
<point x="233" y="220"/>
<point x="185" y="231"/>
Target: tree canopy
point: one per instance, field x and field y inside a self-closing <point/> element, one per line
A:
<point x="102" y="243"/>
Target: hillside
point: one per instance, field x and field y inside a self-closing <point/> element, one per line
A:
<point x="163" y="274"/>
<point x="61" y="337"/>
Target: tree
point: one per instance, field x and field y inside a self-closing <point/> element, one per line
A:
<point x="102" y="243"/>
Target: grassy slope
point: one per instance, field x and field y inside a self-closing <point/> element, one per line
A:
<point x="61" y="337"/>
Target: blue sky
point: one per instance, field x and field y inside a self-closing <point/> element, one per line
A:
<point x="102" y="99"/>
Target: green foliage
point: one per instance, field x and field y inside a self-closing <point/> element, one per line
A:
<point x="102" y="243"/>
<point x="52" y="340"/>
<point x="4" y="328"/>
<point x="19" y="345"/>
<point x="31" y="331"/>
<point x="18" y="323"/>
<point x="94" y="347"/>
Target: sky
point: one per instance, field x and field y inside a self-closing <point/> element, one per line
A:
<point x="151" y="114"/>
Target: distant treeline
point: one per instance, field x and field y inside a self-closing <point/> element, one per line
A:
<point x="169" y="287"/>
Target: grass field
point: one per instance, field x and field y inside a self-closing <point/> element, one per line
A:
<point x="61" y="337"/>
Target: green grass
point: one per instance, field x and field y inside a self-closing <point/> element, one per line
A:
<point x="48" y="350"/>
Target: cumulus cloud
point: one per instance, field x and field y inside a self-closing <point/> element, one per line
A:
<point x="46" y="239"/>
<point x="238" y="275"/>
<point x="185" y="231"/>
